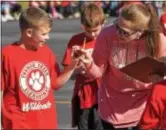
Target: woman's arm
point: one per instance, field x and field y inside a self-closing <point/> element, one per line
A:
<point x="97" y="63"/>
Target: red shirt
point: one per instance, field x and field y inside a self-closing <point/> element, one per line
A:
<point x="86" y="87"/>
<point x="162" y="22"/>
<point x="154" y="115"/>
<point x="28" y="79"/>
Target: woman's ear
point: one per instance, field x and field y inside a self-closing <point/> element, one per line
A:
<point x="29" y="32"/>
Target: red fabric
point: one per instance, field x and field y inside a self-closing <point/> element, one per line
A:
<point x="65" y="3"/>
<point x="154" y="115"/>
<point x="163" y="18"/>
<point x="162" y="22"/>
<point x="85" y="88"/>
<point x="27" y="80"/>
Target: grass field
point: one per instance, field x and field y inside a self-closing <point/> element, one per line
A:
<point x="24" y="4"/>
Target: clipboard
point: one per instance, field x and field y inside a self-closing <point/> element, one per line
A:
<point x="143" y="68"/>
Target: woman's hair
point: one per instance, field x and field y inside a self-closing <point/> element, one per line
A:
<point x="144" y="18"/>
<point x="164" y="6"/>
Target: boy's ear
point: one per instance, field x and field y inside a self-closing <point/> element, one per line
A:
<point x="29" y="32"/>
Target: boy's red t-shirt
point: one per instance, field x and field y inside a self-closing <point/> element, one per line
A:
<point x="86" y="88"/>
<point x="28" y="79"/>
<point x="154" y="116"/>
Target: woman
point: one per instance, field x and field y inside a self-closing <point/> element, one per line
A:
<point x="134" y="35"/>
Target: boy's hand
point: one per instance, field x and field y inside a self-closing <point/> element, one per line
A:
<point x="74" y="64"/>
<point x="76" y="51"/>
<point x="75" y="59"/>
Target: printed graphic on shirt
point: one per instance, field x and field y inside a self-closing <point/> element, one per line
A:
<point x="123" y="55"/>
<point x="36" y="106"/>
<point x="35" y="80"/>
<point x="118" y="57"/>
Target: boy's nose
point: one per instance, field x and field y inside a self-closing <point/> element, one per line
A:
<point x="47" y="37"/>
<point x="93" y="34"/>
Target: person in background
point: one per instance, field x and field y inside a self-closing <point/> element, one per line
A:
<point x="40" y="4"/>
<point x="15" y="9"/>
<point x="158" y="7"/>
<point x="5" y="11"/>
<point x="84" y="101"/>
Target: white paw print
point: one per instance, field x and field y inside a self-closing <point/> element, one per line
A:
<point x="36" y="81"/>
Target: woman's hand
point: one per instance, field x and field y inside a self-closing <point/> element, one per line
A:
<point x="86" y="58"/>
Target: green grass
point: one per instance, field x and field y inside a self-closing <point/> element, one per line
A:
<point x="24" y="4"/>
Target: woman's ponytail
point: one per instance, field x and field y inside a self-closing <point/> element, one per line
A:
<point x="153" y="38"/>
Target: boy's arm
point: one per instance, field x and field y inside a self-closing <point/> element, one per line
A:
<point x="66" y="74"/>
<point x="58" y="79"/>
<point x="67" y="58"/>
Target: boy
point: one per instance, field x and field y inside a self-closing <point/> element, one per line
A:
<point x="154" y="116"/>
<point x="29" y="74"/>
<point x="85" y="92"/>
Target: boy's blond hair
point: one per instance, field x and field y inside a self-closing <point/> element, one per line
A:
<point x="92" y="15"/>
<point x="34" y="17"/>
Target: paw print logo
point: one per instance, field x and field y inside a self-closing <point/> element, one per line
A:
<point x="36" y="81"/>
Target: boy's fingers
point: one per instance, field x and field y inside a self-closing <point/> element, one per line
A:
<point x="83" y="60"/>
<point x="76" y="48"/>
